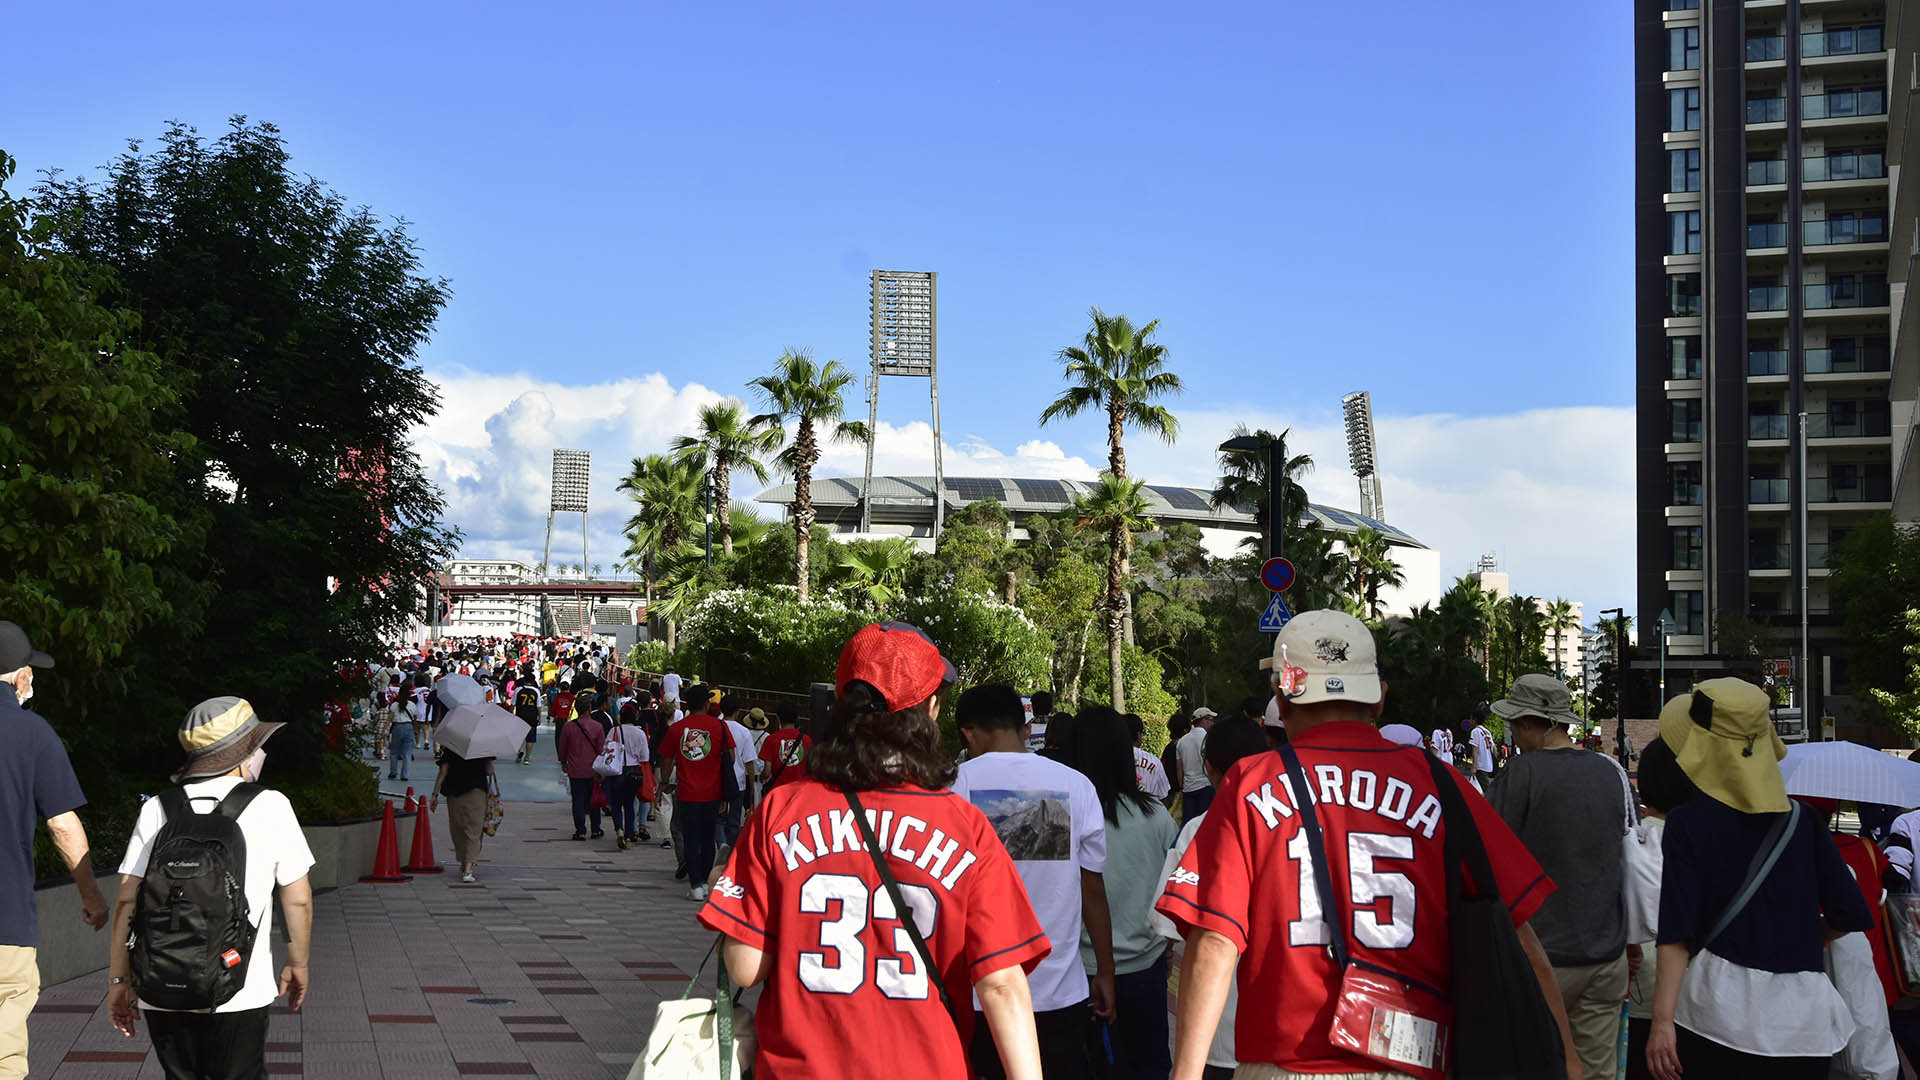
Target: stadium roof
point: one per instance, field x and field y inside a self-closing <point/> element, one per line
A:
<point x="912" y="496"/>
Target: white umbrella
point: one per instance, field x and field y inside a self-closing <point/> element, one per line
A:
<point x="1844" y="770"/>
<point x="478" y="731"/>
<point x="457" y="690"/>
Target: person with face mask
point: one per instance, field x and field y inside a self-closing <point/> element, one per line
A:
<point x="225" y="746"/>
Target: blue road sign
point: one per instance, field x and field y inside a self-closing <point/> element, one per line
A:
<point x="1277" y="574"/>
<point x="1275" y="618"/>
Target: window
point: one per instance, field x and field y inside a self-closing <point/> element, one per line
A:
<point x="1683" y="170"/>
<point x="1683" y="5"/>
<point x="1683" y="480"/>
<point x="1683" y="354"/>
<point x="1683" y="295"/>
<point x="1683" y="49"/>
<point x="1684" y="543"/>
<point x="1683" y="420"/>
<point x="1689" y="607"/>
<point x="1683" y="109"/>
<point x="1683" y="232"/>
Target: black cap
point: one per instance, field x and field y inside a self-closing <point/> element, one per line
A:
<point x="17" y="652"/>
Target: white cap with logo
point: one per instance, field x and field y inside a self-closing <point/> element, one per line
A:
<point x="1325" y="656"/>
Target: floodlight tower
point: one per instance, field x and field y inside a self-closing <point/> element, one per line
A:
<point x="904" y="340"/>
<point x="1361" y="452"/>
<point x="570" y="469"/>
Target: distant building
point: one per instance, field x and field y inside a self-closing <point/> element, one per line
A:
<point x="1569" y="658"/>
<point x="491" y="616"/>
<point x="903" y="507"/>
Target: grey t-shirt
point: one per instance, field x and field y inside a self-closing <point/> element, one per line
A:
<point x="1569" y="806"/>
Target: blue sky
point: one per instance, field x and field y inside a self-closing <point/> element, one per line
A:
<point x="1313" y="198"/>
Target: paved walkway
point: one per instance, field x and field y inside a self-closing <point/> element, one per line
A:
<point x="550" y="966"/>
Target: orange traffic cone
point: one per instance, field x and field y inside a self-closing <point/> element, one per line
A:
<point x="386" y="862"/>
<point x="421" y="860"/>
<point x="410" y="806"/>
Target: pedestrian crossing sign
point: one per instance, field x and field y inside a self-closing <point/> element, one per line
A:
<point x="1275" y="618"/>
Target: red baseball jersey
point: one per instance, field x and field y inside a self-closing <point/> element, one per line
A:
<point x="1249" y="875"/>
<point x="849" y="996"/>
<point x="696" y="746"/>
<point x="785" y="752"/>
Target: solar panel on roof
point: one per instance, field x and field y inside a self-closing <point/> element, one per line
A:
<point x="1180" y="498"/>
<point x="1052" y="492"/>
<point x="975" y="488"/>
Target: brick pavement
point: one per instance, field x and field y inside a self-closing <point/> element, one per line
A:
<point x="550" y="965"/>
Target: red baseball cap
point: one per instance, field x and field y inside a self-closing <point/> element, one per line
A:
<point x="898" y="659"/>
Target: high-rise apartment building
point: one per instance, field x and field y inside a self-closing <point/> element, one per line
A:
<point x="1774" y="241"/>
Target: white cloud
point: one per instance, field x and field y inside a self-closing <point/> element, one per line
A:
<point x="1550" y="491"/>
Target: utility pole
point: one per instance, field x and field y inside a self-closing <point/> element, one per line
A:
<point x="1620" y="684"/>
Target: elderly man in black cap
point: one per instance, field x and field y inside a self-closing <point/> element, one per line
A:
<point x="223" y="1034"/>
<point x="36" y="784"/>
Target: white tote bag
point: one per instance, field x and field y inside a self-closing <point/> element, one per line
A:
<point x="698" y="1038"/>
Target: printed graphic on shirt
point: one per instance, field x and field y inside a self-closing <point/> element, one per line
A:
<point x="792" y="751"/>
<point x="695" y="744"/>
<point x="1035" y="826"/>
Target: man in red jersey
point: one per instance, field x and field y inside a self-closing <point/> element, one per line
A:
<point x="696" y="746"/>
<point x="1247" y="885"/>
<point x="805" y="908"/>
<point x="785" y="751"/>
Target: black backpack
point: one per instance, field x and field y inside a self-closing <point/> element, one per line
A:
<point x="192" y="934"/>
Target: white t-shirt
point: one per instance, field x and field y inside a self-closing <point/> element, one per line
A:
<point x="1190" y="753"/>
<point x="1048" y="816"/>
<point x="1152" y="778"/>
<point x="277" y="854"/>
<point x="670" y="686"/>
<point x="742" y="738"/>
<point x="1482" y="748"/>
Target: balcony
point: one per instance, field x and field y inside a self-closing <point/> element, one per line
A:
<point x="1768" y="297"/>
<point x="1768" y="110"/>
<point x="1853" y="41"/>
<point x="1851" y="425"/>
<point x="1769" y="234"/>
<point x="1767" y="361"/>
<point x="1768" y="425"/>
<point x="1851" y="165"/>
<point x="1862" y="229"/>
<point x="1761" y="492"/>
<point x="1849" y="359"/>
<point x="1767" y="172"/>
<point x="1842" y="294"/>
<point x="1762" y="49"/>
<point x="1840" y="104"/>
<point x="1865" y="489"/>
<point x="1780" y="557"/>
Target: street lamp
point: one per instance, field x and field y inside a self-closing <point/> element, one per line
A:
<point x="1276" y="484"/>
<point x="1666" y="626"/>
<point x="1620" y="684"/>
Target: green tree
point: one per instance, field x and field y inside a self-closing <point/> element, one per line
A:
<point x="1243" y="480"/>
<point x="812" y="397"/>
<point x="876" y="570"/>
<point x="728" y="441"/>
<point x="296" y="322"/>
<point x="1903" y="704"/>
<point x="1117" y="507"/>
<point x="977" y="552"/>
<point x="666" y="492"/>
<point x="1118" y="369"/>
<point x="1372" y="568"/>
<point x="1560" y="619"/>
<point x="1876" y="575"/>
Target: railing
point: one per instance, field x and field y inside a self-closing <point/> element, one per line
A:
<point x="1821" y="489"/>
<point x="1845" y="294"/>
<point x="1839" y="103"/>
<point x="1849" y="359"/>
<point x="1766" y="234"/>
<point x="1859" y="425"/>
<point x="1761" y="491"/>
<point x="1851" y="165"/>
<point x="1767" y="426"/>
<point x="1767" y="110"/>
<point x="1766" y="361"/>
<point x="1684" y="495"/>
<point x="1865" y="229"/>
<point x="1684" y="367"/>
<point x="1766" y="298"/>
<point x="1766" y="171"/>
<point x="1769" y="556"/>
<point x="1684" y="432"/>
<point x="1761" y="49"/>
<point x="1849" y="42"/>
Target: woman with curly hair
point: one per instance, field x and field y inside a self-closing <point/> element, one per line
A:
<point x="807" y="902"/>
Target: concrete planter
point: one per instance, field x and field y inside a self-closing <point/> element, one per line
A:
<point x="68" y="948"/>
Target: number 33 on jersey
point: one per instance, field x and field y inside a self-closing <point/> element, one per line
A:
<point x="802" y="885"/>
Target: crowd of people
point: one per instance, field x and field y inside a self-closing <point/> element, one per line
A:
<point x="1339" y="898"/>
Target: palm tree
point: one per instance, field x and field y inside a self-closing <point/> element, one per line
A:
<point x="667" y="490"/>
<point x="728" y="441"/>
<point x="1118" y="370"/>
<point x="1487" y="607"/>
<point x="1118" y="507"/>
<point x="596" y="569"/>
<point x="1560" y="619"/>
<point x="1243" y="479"/>
<point x="877" y="569"/>
<point x="811" y="397"/>
<point x="1370" y="559"/>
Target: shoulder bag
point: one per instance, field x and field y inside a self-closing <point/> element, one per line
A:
<point x="1379" y="1014"/>
<point x="1640" y="870"/>
<point x="696" y="1038"/>
<point x="905" y="913"/>
<point x="1503" y="1026"/>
